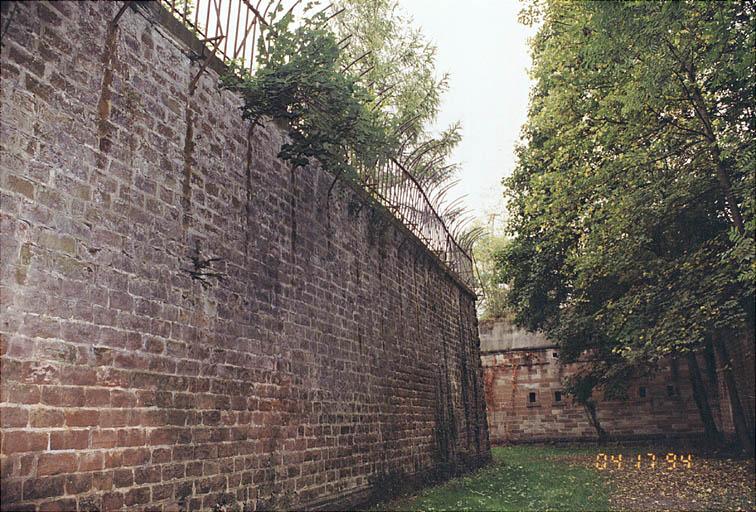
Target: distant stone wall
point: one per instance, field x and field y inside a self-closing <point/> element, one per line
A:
<point x="659" y="406"/>
<point x="327" y="358"/>
<point x="500" y="336"/>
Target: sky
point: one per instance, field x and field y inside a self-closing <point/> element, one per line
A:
<point x="485" y="51"/>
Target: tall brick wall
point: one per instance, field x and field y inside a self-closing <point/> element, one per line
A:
<point x="667" y="409"/>
<point x="330" y="356"/>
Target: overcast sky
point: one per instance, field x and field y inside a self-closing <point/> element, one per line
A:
<point x="484" y="48"/>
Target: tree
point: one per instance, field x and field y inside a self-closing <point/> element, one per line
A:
<point x="397" y="65"/>
<point x="632" y="209"/>
<point x="299" y="79"/>
<point x="491" y="241"/>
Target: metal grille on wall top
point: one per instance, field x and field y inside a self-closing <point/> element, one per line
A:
<point x="229" y="29"/>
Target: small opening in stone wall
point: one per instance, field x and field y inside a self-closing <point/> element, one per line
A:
<point x="671" y="390"/>
<point x="555" y="355"/>
<point x="557" y="396"/>
<point x="532" y="397"/>
<point x="642" y="391"/>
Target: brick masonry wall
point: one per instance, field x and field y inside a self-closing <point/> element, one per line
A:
<point x="329" y="358"/>
<point x="510" y="376"/>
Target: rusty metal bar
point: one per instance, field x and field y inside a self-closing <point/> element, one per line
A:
<point x="236" y="31"/>
<point x="228" y="25"/>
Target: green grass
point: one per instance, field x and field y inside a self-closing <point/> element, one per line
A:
<point x="519" y="478"/>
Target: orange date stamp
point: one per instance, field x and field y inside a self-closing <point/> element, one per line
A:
<point x="670" y="462"/>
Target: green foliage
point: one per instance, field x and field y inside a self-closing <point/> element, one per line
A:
<point x="493" y="293"/>
<point x="298" y="79"/>
<point x="397" y="65"/>
<point x="356" y="86"/>
<point x="632" y="209"/>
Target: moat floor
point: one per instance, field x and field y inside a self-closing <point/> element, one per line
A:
<point x="538" y="477"/>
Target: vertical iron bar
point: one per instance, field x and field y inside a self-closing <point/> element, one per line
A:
<point x="254" y="40"/>
<point x="236" y="32"/>
<point x="228" y="26"/>
<point x="207" y="21"/>
<point x="246" y="24"/>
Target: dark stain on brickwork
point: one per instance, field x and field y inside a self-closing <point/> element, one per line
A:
<point x="465" y="385"/>
<point x="293" y="212"/>
<point x="186" y="186"/>
<point x="446" y="424"/>
<point x="248" y="189"/>
<point x="471" y="375"/>
<point x="104" y="129"/>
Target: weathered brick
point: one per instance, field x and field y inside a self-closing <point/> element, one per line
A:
<point x="15" y="441"/>
<point x="123" y="478"/>
<point x="97" y="397"/>
<point x="162" y="492"/>
<point x="10" y="491"/>
<point x="62" y="396"/>
<point x="69" y="440"/>
<point x="56" y="463"/>
<point x="46" y="418"/>
<point x="21" y="186"/>
<point x="161" y="455"/>
<point x="172" y="471"/>
<point x="57" y="242"/>
<point x="150" y="474"/>
<point x="104" y="438"/>
<point x="11" y="417"/>
<point x="78" y="484"/>
<point x="90" y="461"/>
<point x="102" y="481"/>
<point x="82" y="417"/>
<point x="137" y="496"/>
<point x="91" y="503"/>
<point x="135" y="456"/>
<point x="37" y="488"/>
<point x="62" y="505"/>
<point x="20" y="393"/>
<point x="112" y="501"/>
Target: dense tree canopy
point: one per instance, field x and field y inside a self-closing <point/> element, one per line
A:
<point x="632" y="204"/>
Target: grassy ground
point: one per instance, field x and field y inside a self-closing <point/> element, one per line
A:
<point x="568" y="478"/>
<point x="519" y="478"/>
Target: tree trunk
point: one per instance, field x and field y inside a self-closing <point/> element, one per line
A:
<point x="590" y="410"/>
<point x="702" y="400"/>
<point x="724" y="182"/>
<point x="738" y="416"/>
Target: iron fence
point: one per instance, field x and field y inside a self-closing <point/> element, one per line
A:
<point x="229" y="29"/>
